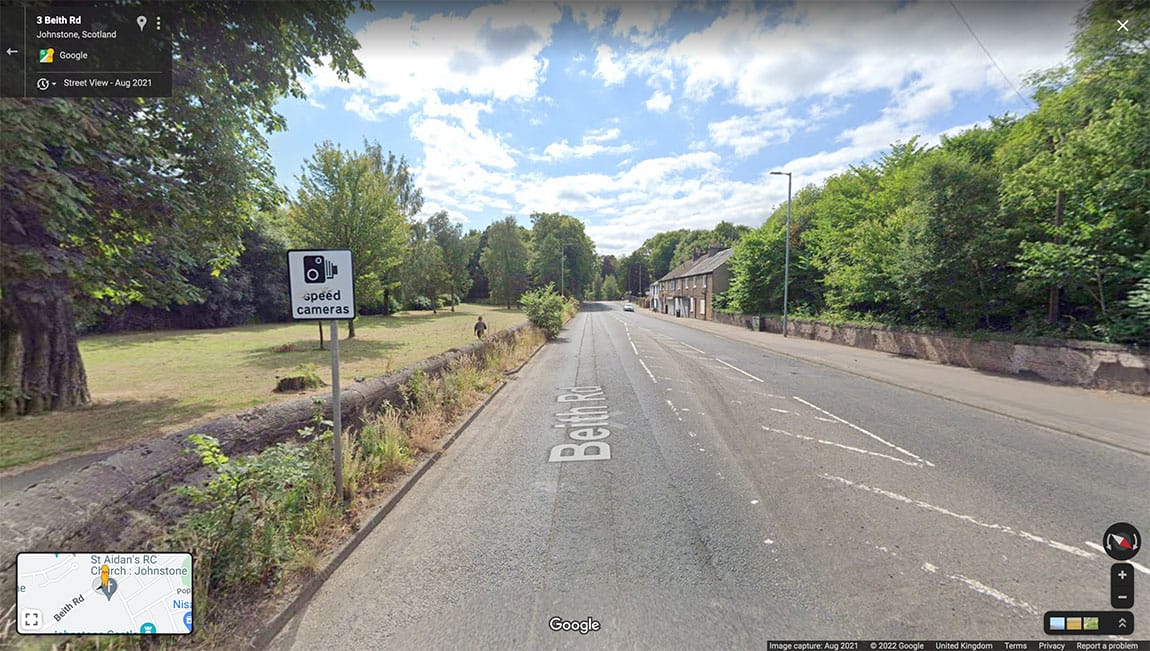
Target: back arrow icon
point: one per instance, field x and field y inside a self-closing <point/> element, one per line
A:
<point x="10" y="51"/>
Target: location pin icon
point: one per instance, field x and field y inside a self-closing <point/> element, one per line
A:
<point x="110" y="589"/>
<point x="141" y="21"/>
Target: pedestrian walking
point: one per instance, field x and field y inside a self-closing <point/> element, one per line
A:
<point x="480" y="327"/>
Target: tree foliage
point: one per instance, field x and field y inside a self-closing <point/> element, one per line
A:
<point x="1038" y="224"/>
<point x="504" y="261"/>
<point x="561" y="253"/>
<point x="120" y="199"/>
<point x="349" y="200"/>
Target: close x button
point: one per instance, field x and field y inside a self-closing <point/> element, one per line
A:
<point x="1122" y="585"/>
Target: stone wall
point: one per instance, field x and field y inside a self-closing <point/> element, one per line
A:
<point x="97" y="507"/>
<point x="1064" y="361"/>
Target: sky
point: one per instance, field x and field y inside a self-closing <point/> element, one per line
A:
<point x="642" y="117"/>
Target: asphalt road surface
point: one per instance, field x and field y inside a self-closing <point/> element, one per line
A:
<point x="748" y="497"/>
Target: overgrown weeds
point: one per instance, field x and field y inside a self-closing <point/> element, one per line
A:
<point x="267" y="520"/>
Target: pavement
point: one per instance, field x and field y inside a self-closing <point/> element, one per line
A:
<point x="643" y="483"/>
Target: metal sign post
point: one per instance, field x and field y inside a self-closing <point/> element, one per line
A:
<point x="336" y="412"/>
<point x="322" y="290"/>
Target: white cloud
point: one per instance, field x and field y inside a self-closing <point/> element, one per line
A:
<point x="602" y="135"/>
<point x="749" y="134"/>
<point x="492" y="52"/>
<point x="561" y="150"/>
<point x="606" y="68"/>
<point x="591" y="146"/>
<point x="921" y="51"/>
<point x="660" y="102"/>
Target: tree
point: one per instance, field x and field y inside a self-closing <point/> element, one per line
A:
<point x="456" y="253"/>
<point x="474" y="243"/>
<point x="610" y="290"/>
<point x="346" y="200"/>
<point x="424" y="273"/>
<point x="119" y="198"/>
<point x="504" y="261"/>
<point x="571" y="267"/>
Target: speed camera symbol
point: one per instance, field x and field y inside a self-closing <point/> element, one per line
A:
<point x="318" y="269"/>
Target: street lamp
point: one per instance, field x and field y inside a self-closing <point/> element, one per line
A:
<point x="562" y="266"/>
<point x="787" y="254"/>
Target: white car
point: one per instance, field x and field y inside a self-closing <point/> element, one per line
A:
<point x="628" y="307"/>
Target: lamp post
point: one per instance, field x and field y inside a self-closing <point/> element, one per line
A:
<point x="563" y="267"/>
<point x="787" y="253"/>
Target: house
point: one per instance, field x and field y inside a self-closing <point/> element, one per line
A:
<point x="689" y="289"/>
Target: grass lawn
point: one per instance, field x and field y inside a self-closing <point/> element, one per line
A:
<point x="147" y="383"/>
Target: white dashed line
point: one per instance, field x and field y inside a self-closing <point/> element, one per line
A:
<point x="844" y="447"/>
<point x="991" y="592"/>
<point x="649" y="373"/>
<point x="739" y="370"/>
<point x="633" y="346"/>
<point x="873" y="436"/>
<point x="781" y="411"/>
<point x="693" y="348"/>
<point x="938" y="509"/>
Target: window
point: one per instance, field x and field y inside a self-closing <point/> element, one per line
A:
<point x="704" y="282"/>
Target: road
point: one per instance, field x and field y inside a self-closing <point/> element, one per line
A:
<point x="748" y="497"/>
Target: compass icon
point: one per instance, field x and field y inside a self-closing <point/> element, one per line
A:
<point x="1121" y="541"/>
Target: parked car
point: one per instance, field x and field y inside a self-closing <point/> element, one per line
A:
<point x="628" y="307"/>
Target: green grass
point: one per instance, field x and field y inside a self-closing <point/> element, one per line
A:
<point x="144" y="384"/>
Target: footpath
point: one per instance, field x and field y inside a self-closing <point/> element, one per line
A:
<point x="1118" y="419"/>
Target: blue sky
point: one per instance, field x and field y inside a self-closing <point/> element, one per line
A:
<point x="642" y="117"/>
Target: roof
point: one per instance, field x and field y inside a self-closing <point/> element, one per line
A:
<point x="700" y="266"/>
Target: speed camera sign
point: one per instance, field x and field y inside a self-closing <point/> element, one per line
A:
<point x="321" y="285"/>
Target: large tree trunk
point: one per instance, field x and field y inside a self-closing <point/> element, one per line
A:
<point x="351" y="328"/>
<point x="41" y="369"/>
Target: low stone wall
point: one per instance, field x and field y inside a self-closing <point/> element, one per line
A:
<point x="96" y="507"/>
<point x="1064" y="361"/>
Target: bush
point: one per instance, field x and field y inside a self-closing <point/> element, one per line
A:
<point x="419" y="303"/>
<point x="544" y="309"/>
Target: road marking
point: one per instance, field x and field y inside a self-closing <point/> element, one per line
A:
<point x="1000" y="527"/>
<point x="754" y="501"/>
<point x="693" y="348"/>
<point x="982" y="588"/>
<point x="633" y="346"/>
<point x="873" y="436"/>
<point x="739" y="370"/>
<point x="781" y="411"/>
<point x="845" y="447"/>
<point x="1137" y="566"/>
<point x="649" y="373"/>
<point x="826" y="420"/>
<point x="672" y="406"/>
<point x="587" y="424"/>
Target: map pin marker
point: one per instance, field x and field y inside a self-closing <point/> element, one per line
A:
<point x="141" y="21"/>
<point x="110" y="589"/>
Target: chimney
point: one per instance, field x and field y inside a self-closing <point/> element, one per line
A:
<point x="714" y="248"/>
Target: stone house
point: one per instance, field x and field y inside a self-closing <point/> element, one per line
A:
<point x="689" y="289"/>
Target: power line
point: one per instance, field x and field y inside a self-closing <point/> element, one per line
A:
<point x="1025" y="100"/>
